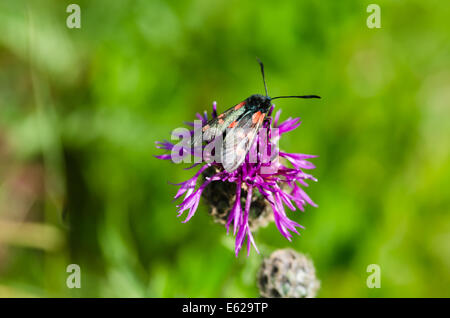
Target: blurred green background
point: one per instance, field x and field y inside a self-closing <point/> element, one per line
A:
<point x="81" y="109"/>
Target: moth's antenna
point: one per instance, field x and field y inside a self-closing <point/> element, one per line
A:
<point x="262" y="72"/>
<point x="304" y="96"/>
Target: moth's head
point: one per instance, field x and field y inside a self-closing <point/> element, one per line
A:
<point x="259" y="100"/>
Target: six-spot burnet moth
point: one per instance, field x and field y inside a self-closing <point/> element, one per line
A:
<point x="238" y="126"/>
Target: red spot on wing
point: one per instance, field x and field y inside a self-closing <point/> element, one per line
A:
<point x="261" y="118"/>
<point x="232" y="124"/>
<point x="205" y="128"/>
<point x="239" y="105"/>
<point x="220" y="121"/>
<point x="221" y="115"/>
<point x="256" y="116"/>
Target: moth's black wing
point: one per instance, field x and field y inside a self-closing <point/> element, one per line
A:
<point x="239" y="140"/>
<point x="217" y="126"/>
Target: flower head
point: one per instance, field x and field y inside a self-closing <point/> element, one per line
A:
<point x="278" y="182"/>
<point x="287" y="274"/>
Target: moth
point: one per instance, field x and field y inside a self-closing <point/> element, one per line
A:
<point x="240" y="125"/>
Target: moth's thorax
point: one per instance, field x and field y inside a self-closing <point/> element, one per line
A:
<point x="259" y="102"/>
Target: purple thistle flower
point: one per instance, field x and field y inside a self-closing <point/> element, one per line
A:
<point x="279" y="187"/>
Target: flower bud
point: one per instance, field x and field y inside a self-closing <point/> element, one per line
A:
<point x="287" y="274"/>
